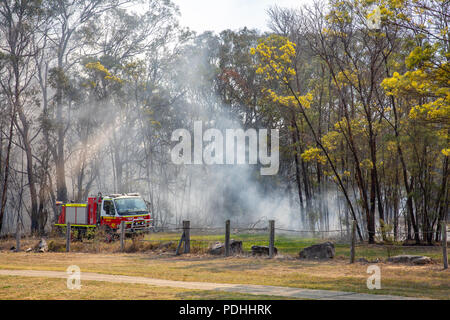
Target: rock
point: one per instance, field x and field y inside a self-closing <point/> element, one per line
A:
<point x="422" y="261"/>
<point x="410" y="259"/>
<point x="235" y="247"/>
<point x="41" y="246"/>
<point x="219" y="248"/>
<point x="262" y="250"/>
<point x="318" y="251"/>
<point x="364" y="260"/>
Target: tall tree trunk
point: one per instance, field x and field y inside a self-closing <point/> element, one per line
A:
<point x="24" y="131"/>
<point x="333" y="167"/>
<point x="409" y="204"/>
<point x="297" y="164"/>
<point x="6" y="169"/>
<point x="376" y="183"/>
<point x="61" y="187"/>
<point x="443" y="198"/>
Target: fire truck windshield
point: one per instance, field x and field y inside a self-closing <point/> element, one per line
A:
<point x="128" y="206"/>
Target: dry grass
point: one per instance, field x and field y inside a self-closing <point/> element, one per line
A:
<point x="98" y="245"/>
<point x="154" y="257"/>
<point x="415" y="281"/>
<point x="17" y="288"/>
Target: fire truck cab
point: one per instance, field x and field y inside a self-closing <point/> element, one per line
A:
<point x="108" y="212"/>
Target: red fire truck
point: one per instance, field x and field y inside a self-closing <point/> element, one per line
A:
<point x="108" y="212"/>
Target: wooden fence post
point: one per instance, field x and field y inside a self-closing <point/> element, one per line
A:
<point x="177" y="252"/>
<point x="444" y="243"/>
<point x="122" y="236"/>
<point x="271" y="238"/>
<point x="17" y="238"/>
<point x="227" y="238"/>
<point x="68" y="234"/>
<point x="187" y="236"/>
<point x="353" y="242"/>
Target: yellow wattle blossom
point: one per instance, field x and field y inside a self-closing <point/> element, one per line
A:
<point x="290" y="100"/>
<point x="275" y="54"/>
<point x="331" y="140"/>
<point x="391" y="146"/>
<point x="426" y="84"/>
<point x="97" y="66"/>
<point x="366" y="164"/>
<point x="314" y="154"/>
<point x="438" y="110"/>
<point x="348" y="77"/>
<point x="306" y="100"/>
<point x="446" y="152"/>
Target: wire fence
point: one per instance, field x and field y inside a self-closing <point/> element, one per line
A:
<point x="230" y="240"/>
<point x="287" y="240"/>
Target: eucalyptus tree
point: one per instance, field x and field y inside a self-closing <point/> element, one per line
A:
<point x="133" y="47"/>
<point x="67" y="36"/>
<point x="19" y="22"/>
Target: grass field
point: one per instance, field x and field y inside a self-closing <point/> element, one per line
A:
<point x="149" y="259"/>
<point x="15" y="288"/>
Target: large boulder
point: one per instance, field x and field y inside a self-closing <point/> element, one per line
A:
<point x="410" y="259"/>
<point x="318" y="251"/>
<point x="218" y="248"/>
<point x="263" y="250"/>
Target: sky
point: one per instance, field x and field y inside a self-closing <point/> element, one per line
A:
<point x="218" y="15"/>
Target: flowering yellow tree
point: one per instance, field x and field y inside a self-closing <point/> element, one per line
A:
<point x="275" y="56"/>
<point x="419" y="87"/>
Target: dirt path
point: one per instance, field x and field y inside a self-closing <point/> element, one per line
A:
<point x="238" y="288"/>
